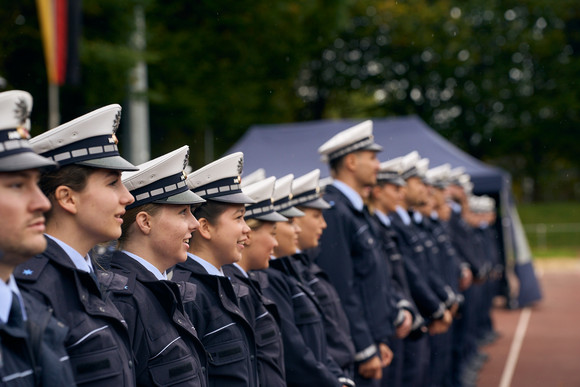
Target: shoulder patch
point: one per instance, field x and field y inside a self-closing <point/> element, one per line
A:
<point x="31" y="269"/>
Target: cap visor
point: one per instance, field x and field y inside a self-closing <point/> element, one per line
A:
<point x="237" y="198"/>
<point x="186" y="197"/>
<point x="113" y="162"/>
<point x="319" y="204"/>
<point x="25" y="160"/>
<point x="271" y="217"/>
<point x="374" y="147"/>
<point x="292" y="212"/>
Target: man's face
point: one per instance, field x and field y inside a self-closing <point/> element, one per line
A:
<point x="366" y="167"/>
<point x="415" y="192"/>
<point x="22" y="205"/>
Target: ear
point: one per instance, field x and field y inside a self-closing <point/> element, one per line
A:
<point x="350" y="161"/>
<point x="249" y="239"/>
<point x="66" y="199"/>
<point x="144" y="222"/>
<point x="205" y="228"/>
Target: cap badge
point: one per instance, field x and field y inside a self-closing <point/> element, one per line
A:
<point x="117" y="121"/>
<point x="240" y="166"/>
<point x="27" y="272"/>
<point x="22" y="114"/>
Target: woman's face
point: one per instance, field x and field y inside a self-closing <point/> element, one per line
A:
<point x="312" y="225"/>
<point x="287" y="237"/>
<point x="171" y="230"/>
<point x="260" y="246"/>
<point x="101" y="204"/>
<point x="229" y="235"/>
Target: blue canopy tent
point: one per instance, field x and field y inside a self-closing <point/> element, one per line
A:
<point x="292" y="148"/>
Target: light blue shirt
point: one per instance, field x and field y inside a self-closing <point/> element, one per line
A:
<point x="383" y="218"/>
<point x="211" y="269"/>
<point x="434" y="215"/>
<point x="80" y="262"/>
<point x="417" y="217"/>
<point x="147" y="265"/>
<point x="350" y="193"/>
<point x="242" y="270"/>
<point x="6" y="293"/>
<point x="456" y="207"/>
<point x="404" y="215"/>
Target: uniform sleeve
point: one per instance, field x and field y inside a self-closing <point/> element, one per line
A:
<point x="301" y="364"/>
<point x="335" y="259"/>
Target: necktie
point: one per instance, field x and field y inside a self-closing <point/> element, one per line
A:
<point x="15" y="319"/>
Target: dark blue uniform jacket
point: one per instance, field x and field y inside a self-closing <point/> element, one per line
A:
<point x="167" y="350"/>
<point x="32" y="352"/>
<point x="98" y="340"/>
<point x="263" y="314"/>
<point x="221" y="325"/>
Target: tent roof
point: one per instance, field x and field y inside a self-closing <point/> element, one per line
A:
<point x="292" y="148"/>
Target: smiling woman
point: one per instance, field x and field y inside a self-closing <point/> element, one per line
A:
<point x="157" y="228"/>
<point x="88" y="200"/>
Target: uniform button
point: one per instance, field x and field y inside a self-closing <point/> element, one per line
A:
<point x="130" y="363"/>
<point x="252" y="357"/>
<point x="83" y="297"/>
<point x="179" y="320"/>
<point x="104" y="274"/>
<point x="203" y="370"/>
<point x="101" y="309"/>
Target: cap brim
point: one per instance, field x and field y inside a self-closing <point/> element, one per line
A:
<point x="26" y="160"/>
<point x="186" y="197"/>
<point x="271" y="217"/>
<point x="373" y="147"/>
<point x="291" y="212"/>
<point x="399" y="181"/>
<point x="237" y="198"/>
<point x="319" y="204"/>
<point x="113" y="162"/>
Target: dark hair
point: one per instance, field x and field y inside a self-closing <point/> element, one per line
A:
<point x="131" y="215"/>
<point x="211" y="210"/>
<point x="336" y="164"/>
<point x="72" y="176"/>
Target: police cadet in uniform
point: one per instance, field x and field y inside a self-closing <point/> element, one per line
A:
<point x="32" y="350"/>
<point x="157" y="228"/>
<point x="224" y="331"/>
<point x="305" y="349"/>
<point x="383" y="200"/>
<point x="258" y="309"/>
<point x="88" y="200"/>
<point x="312" y="224"/>
<point x="349" y="253"/>
<point x="420" y="276"/>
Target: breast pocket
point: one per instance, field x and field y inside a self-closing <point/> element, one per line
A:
<point x="265" y="329"/>
<point x="178" y="372"/>
<point x="96" y="367"/>
<point x="365" y="253"/>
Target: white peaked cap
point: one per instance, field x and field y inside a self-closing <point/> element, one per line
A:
<point x="254" y="177"/>
<point x="408" y="165"/>
<point x="88" y="140"/>
<point x="263" y="209"/>
<point x="358" y="137"/>
<point x="220" y="180"/>
<point x="15" y="108"/>
<point x="16" y="153"/>
<point x="422" y="167"/>
<point x="389" y="172"/>
<point x="438" y="176"/>
<point x="161" y="180"/>
<point x="283" y="197"/>
<point x="306" y="192"/>
<point x="454" y="175"/>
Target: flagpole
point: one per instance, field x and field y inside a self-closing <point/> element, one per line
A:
<point x="53" y="105"/>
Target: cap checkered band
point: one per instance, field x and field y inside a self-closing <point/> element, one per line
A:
<point x="305" y="197"/>
<point x="283" y="204"/>
<point x="261" y="208"/>
<point x="388" y="176"/>
<point x="160" y="189"/>
<point x="351" y="148"/>
<point x="411" y="172"/>
<point x="92" y="148"/>
<point x="227" y="186"/>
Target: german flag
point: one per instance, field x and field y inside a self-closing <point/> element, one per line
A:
<point x="60" y="28"/>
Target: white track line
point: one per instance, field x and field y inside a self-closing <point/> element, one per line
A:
<point x="512" y="360"/>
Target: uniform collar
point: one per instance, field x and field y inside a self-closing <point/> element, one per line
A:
<point x="147" y="265"/>
<point x="7" y="291"/>
<point x="211" y="269"/>
<point x="241" y="269"/>
<point x="80" y="262"/>
<point x="350" y="194"/>
<point x="404" y="215"/>
<point x="417" y="217"/>
<point x="383" y="218"/>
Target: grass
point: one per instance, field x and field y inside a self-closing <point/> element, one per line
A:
<point x="562" y="225"/>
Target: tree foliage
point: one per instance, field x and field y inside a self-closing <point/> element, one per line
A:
<point x="498" y="78"/>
